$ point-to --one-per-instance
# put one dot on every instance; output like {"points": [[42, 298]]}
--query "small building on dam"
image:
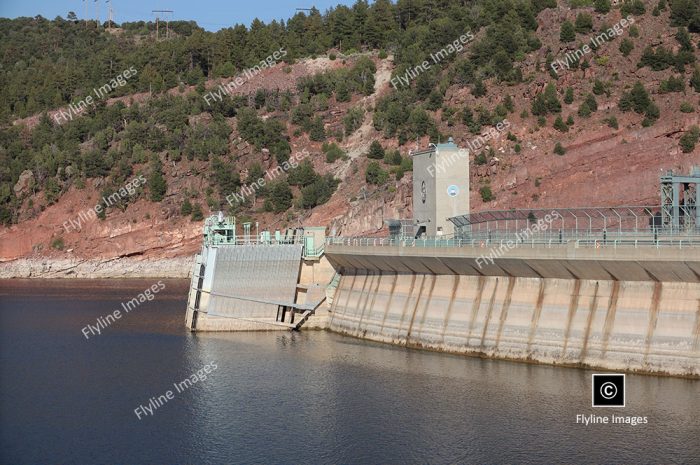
{"points": [[440, 188], [615, 288]]}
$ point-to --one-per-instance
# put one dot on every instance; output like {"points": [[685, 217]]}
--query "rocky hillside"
{"points": [[599, 131]]}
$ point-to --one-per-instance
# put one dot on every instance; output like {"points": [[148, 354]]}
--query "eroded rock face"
{"points": [[25, 183], [177, 267]]}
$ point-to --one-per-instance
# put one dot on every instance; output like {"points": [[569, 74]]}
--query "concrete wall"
{"points": [[633, 325], [316, 272], [451, 186]]}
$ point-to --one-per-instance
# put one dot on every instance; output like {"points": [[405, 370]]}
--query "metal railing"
{"points": [[218, 239], [548, 239], [623, 218], [315, 253], [308, 252]]}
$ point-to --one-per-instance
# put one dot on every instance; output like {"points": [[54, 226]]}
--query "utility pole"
{"points": [[167, 14], [85, 7], [109, 22], [97, 13]]}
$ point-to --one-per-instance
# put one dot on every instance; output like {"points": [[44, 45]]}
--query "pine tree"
{"points": [[567, 32], [591, 102], [317, 132], [186, 208], [602, 6], [689, 139], [342, 91], [375, 174], [569, 96], [598, 87], [539, 106], [478, 89], [695, 80], [508, 104], [303, 175], [652, 114], [197, 214], [376, 151], [559, 125], [551, 99], [640, 97], [584, 111], [626, 46], [612, 122], [156, 180], [559, 149], [584, 23], [279, 197]]}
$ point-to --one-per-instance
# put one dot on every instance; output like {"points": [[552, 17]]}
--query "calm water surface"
{"points": [[310, 397]]}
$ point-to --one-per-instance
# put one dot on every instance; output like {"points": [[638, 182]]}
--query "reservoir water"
{"points": [[279, 397]]}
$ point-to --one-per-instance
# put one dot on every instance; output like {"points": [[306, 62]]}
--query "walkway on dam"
{"points": [[671, 259]]}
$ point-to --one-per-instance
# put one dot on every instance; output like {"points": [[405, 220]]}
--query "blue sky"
{"points": [[209, 14]]}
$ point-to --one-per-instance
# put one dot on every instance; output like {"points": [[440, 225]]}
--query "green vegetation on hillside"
{"points": [[481, 46]]}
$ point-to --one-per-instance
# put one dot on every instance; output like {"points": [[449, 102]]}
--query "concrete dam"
{"points": [[609, 288], [577, 307]]}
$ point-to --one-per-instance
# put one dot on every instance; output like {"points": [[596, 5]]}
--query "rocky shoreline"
{"points": [[45, 268]]}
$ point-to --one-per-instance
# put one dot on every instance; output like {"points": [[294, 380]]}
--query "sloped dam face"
{"points": [[595, 311]]}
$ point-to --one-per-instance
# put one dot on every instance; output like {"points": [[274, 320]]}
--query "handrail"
{"points": [[253, 240], [550, 239]]}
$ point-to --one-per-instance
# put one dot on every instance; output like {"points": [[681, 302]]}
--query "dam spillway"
{"points": [[617, 309]]}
